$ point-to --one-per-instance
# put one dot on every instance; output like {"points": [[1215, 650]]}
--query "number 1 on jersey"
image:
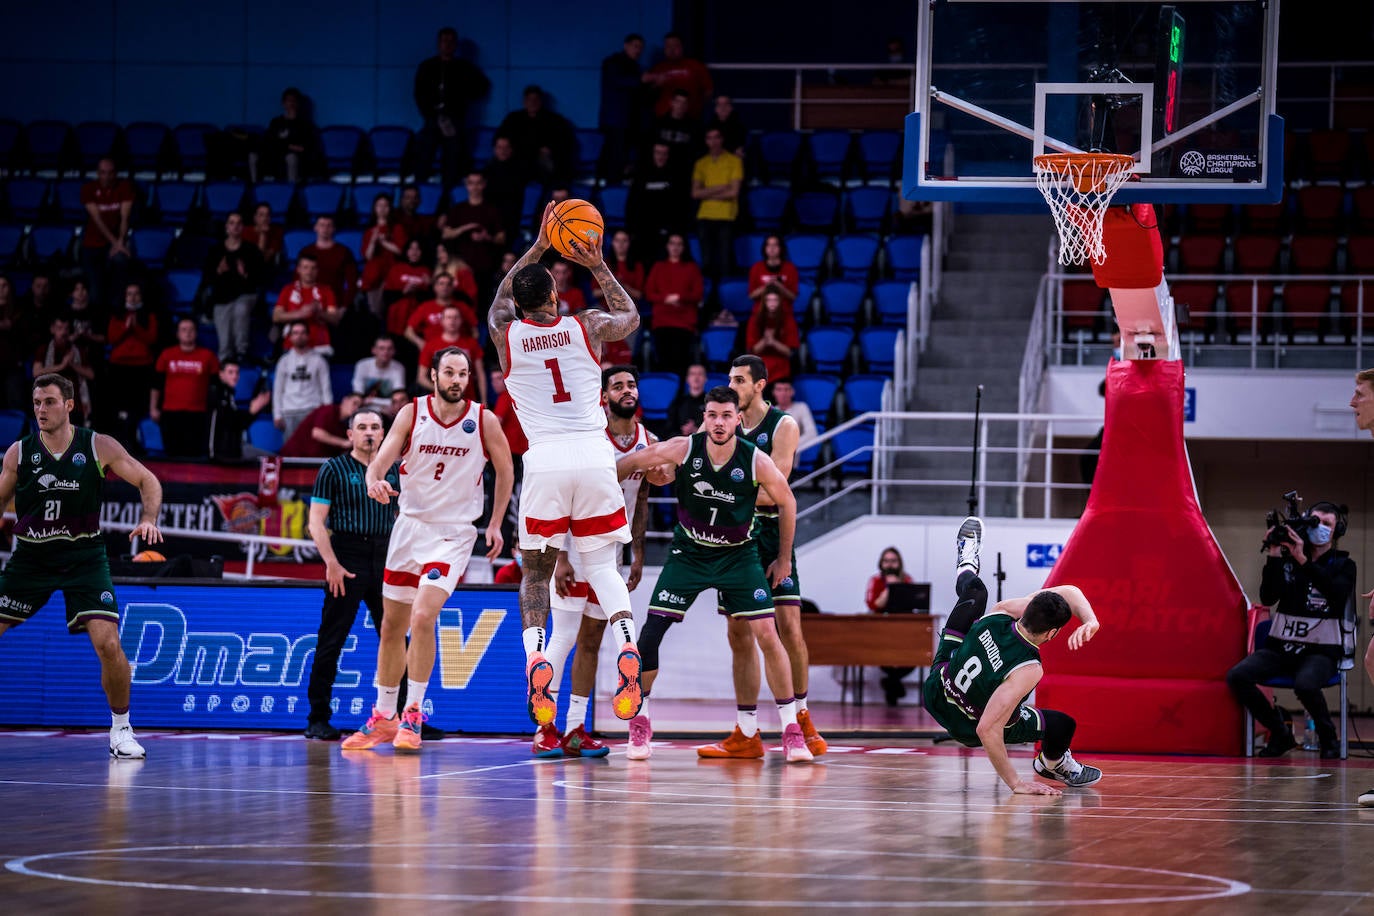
{"points": [[560, 394]]}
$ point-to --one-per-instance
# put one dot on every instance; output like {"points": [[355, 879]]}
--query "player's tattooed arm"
{"points": [[503, 310], [621, 317]]}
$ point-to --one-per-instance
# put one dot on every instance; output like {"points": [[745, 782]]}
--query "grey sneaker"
{"points": [[1068, 771], [969, 542]]}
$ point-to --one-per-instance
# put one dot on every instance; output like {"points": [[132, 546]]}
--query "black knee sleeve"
{"points": [[973, 601], [1059, 729], [649, 639]]}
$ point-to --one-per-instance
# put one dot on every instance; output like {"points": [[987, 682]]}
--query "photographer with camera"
{"points": [[1310, 581]]}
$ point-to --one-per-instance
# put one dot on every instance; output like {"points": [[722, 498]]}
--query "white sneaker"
{"points": [[794, 745], [123, 744], [967, 545], [641, 734], [1068, 771], [1367, 799]]}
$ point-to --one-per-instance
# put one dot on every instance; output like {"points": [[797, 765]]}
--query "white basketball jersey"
{"points": [[630, 485], [554, 380], [441, 467]]}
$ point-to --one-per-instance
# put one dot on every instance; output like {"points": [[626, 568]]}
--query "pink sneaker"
{"points": [[794, 745], [641, 732]]}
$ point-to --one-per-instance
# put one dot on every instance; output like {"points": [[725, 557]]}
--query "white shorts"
{"points": [[423, 553], [570, 485]]}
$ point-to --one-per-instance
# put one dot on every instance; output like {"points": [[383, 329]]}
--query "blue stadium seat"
{"points": [[95, 140], [863, 393], [222, 197], [816, 210], [807, 252], [656, 392], [182, 286], [748, 249], [613, 201], [904, 256], [867, 208], [457, 195], [190, 145], [147, 144], [50, 244], [27, 197], [10, 237], [431, 198], [878, 152], [855, 447], [891, 299], [152, 244], [481, 146], [854, 256], [718, 347], [841, 301], [801, 306], [276, 194], [262, 434], [207, 336], [364, 193], [734, 298], [830, 152], [876, 344], [247, 386], [150, 434], [828, 347], [341, 378], [717, 380], [67, 195], [818, 393], [175, 200], [340, 143], [766, 207], [694, 248], [352, 239], [534, 196], [12, 423], [805, 462], [778, 151], [389, 146], [321, 199], [49, 144], [588, 151], [293, 241]]}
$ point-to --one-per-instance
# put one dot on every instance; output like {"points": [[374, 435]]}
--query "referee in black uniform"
{"points": [[351, 532]]}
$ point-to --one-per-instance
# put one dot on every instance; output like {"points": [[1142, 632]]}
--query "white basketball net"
{"points": [[1079, 187]]}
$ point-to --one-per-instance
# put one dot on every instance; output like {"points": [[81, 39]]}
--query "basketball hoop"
{"points": [[1079, 187]]}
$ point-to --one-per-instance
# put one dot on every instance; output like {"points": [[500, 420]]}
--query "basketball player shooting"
{"points": [[552, 369]]}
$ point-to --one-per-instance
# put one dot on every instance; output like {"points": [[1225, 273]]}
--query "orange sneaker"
{"points": [[814, 742], [628, 696], [539, 675], [377, 730], [408, 734], [548, 742], [736, 746]]}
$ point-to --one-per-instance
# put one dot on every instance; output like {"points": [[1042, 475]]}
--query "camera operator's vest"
{"points": [[1312, 626]]}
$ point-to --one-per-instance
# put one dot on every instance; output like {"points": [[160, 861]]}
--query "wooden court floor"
{"points": [[229, 823]]}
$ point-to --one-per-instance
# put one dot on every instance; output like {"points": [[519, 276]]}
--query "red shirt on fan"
{"points": [[682, 278], [338, 269], [405, 277], [296, 295], [188, 378], [786, 274], [571, 301], [107, 203], [425, 319], [510, 424], [509, 574]]}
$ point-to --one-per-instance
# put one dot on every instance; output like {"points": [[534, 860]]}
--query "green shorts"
{"points": [[788, 591], [80, 572], [734, 572], [1026, 726]]}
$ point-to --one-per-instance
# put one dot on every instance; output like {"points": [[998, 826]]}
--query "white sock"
{"points": [[748, 720], [534, 640], [560, 643], [787, 712], [386, 700], [801, 702], [644, 706], [119, 720], [625, 629], [415, 693], [577, 712]]}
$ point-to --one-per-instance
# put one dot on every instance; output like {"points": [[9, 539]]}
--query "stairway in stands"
{"points": [[977, 336]]}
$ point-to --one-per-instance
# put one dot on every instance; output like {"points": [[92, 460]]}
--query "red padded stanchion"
{"points": [[1134, 249], [1173, 614]]}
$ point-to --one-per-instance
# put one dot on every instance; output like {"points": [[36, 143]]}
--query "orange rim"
{"points": [[1088, 171]]}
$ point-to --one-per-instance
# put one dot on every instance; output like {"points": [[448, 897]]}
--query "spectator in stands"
{"points": [[324, 431], [88, 321], [688, 405], [182, 406], [445, 85], [658, 203], [105, 251], [383, 243], [36, 312], [449, 263], [505, 184], [630, 272], [681, 133], [504, 408], [413, 223], [476, 231], [424, 322], [132, 335], [774, 273], [509, 573], [544, 142], [233, 273], [570, 298], [228, 421], [772, 335], [725, 119], [378, 375], [15, 393], [288, 144], [305, 300], [399, 399], [896, 55], [410, 276], [622, 94], [784, 399], [454, 332], [890, 570], [674, 290], [301, 382], [676, 72], [338, 269], [265, 234], [716, 181], [63, 355]]}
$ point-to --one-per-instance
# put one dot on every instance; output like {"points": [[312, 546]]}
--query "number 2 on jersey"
{"points": [[560, 394]]}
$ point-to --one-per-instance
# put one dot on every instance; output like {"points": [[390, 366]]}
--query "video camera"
{"points": [[1292, 517]]}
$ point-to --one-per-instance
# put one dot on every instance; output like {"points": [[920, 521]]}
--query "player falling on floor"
{"points": [[578, 617], [775, 434], [443, 442], [719, 476], [551, 365], [54, 476], [987, 665]]}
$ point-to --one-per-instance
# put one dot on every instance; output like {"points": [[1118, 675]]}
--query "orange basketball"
{"points": [[149, 556], [575, 219]]}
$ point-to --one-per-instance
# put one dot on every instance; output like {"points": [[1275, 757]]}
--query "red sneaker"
{"points": [[577, 743], [548, 742]]}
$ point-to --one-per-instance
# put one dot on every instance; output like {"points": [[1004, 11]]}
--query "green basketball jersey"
{"points": [[57, 500], [762, 435], [715, 506], [993, 648]]}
